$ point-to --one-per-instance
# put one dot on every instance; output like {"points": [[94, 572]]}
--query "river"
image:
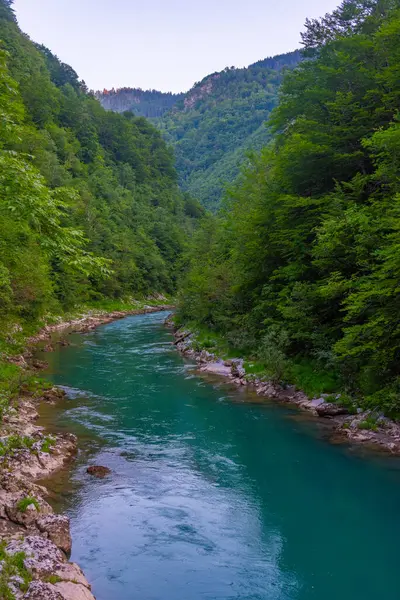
{"points": [[213, 494]]}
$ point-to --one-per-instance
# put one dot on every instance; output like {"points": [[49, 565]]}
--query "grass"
{"points": [[14, 443], [12, 565], [311, 378], [370, 423], [23, 504], [54, 579], [47, 443], [306, 375]]}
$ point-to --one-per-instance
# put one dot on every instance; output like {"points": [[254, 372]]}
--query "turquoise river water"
{"points": [[213, 494]]}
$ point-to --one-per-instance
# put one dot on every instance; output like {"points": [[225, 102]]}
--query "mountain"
{"points": [[300, 272], [216, 124], [150, 103], [90, 208]]}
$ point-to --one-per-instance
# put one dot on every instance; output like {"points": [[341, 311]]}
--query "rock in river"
{"points": [[98, 471]]}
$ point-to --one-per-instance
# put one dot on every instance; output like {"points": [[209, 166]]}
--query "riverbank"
{"points": [[348, 424], [35, 542]]}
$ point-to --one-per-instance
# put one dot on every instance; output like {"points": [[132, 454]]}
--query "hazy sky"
{"points": [[164, 44]]}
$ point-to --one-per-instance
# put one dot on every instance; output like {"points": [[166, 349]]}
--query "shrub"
{"points": [[27, 501]]}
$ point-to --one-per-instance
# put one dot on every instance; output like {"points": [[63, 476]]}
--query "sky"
{"points": [[164, 44]]}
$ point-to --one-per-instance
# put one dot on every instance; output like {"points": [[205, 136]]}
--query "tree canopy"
{"points": [[89, 202], [304, 258]]}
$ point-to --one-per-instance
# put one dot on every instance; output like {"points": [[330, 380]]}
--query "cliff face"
{"points": [[151, 103]]}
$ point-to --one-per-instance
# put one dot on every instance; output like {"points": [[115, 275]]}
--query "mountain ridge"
{"points": [[214, 125]]}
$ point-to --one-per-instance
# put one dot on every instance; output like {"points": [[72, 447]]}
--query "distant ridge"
{"points": [[143, 103], [214, 125]]}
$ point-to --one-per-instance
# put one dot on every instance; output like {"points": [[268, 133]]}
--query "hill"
{"points": [[215, 125], [89, 202], [300, 272]]}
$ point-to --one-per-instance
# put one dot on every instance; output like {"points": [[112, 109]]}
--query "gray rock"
{"points": [[58, 530], [329, 409], [42, 556], [317, 402], [31, 514], [38, 590]]}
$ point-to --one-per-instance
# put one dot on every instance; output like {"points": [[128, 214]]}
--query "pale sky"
{"points": [[164, 44]]}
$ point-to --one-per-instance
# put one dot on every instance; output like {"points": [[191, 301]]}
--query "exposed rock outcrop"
{"points": [[57, 528]]}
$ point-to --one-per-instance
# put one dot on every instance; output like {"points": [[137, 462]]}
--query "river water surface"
{"points": [[213, 494]]}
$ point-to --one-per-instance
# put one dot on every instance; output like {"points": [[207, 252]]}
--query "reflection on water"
{"points": [[213, 495]]}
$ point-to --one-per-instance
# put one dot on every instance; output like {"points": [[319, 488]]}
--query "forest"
{"points": [[89, 203], [215, 125], [143, 103], [300, 270]]}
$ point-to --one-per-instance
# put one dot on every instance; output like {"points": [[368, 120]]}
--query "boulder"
{"points": [[73, 573], [237, 369], [330, 409], [73, 591], [31, 513], [98, 471], [42, 557], [38, 590], [57, 529]]}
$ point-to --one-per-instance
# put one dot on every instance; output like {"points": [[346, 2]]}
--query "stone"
{"points": [[57, 529], [237, 369], [31, 513], [73, 573], [38, 590], [98, 471], [43, 557], [39, 364], [73, 591], [317, 402], [329, 409]]}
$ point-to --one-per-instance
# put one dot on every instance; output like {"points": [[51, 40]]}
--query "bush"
{"points": [[272, 352], [27, 501]]}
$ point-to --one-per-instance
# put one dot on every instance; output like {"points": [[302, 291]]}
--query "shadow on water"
{"points": [[214, 494]]}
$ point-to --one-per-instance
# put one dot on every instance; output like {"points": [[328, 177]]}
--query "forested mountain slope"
{"points": [[143, 103], [219, 121], [214, 125], [301, 271], [89, 202]]}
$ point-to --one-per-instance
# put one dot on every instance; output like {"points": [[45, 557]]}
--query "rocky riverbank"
{"points": [[35, 542], [358, 426]]}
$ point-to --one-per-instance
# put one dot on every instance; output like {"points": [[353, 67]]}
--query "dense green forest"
{"points": [[89, 202], [213, 127], [301, 269], [219, 122], [143, 103]]}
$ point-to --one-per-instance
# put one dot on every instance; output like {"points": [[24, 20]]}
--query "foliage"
{"points": [[214, 126], [13, 443], [370, 423], [308, 240], [89, 204], [220, 121], [12, 566], [23, 504]]}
